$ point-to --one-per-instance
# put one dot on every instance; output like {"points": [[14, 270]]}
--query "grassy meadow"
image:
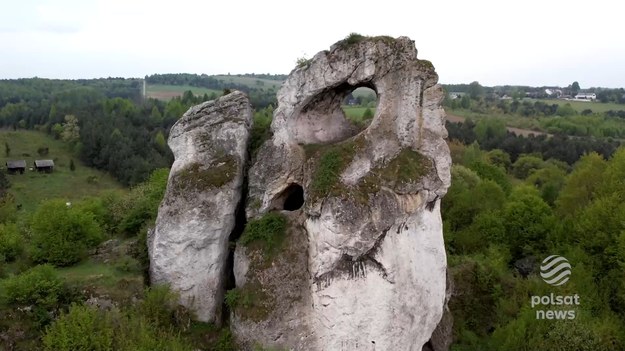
{"points": [[579, 106], [32, 187], [167, 92]]}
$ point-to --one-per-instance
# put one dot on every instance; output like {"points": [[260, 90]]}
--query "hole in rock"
{"points": [[292, 198], [335, 114]]}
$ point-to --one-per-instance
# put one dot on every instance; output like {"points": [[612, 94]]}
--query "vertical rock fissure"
{"points": [[237, 231]]}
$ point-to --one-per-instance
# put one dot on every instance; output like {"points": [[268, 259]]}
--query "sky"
{"points": [[537, 43]]}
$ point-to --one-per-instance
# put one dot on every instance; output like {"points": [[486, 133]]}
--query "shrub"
{"points": [[158, 305], [40, 286], [127, 265], [82, 328], [85, 328], [140, 206], [10, 242], [367, 114], [225, 342], [61, 234]]}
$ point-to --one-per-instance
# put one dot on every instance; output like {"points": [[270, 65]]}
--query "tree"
{"points": [[7, 149], [575, 88], [490, 130], [581, 186], [72, 166], [156, 114], [61, 234], [525, 165], [71, 130], [475, 90], [528, 220], [160, 141], [367, 114]]}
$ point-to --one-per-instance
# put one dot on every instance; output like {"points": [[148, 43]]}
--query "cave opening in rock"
{"points": [[335, 114], [292, 197]]}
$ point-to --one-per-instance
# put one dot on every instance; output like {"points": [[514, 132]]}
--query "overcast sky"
{"points": [[523, 42]]}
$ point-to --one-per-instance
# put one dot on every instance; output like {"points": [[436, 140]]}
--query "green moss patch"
{"points": [[250, 301], [332, 161], [355, 38], [266, 233], [198, 176]]}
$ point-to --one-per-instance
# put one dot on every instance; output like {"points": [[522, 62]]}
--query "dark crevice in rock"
{"points": [[430, 205], [237, 231]]}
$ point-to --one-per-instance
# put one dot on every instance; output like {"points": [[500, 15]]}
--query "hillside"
{"points": [[31, 187]]}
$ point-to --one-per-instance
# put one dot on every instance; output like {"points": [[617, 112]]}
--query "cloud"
{"points": [[59, 28]]}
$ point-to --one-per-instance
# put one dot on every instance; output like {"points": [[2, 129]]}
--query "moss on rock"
{"points": [[199, 177]]}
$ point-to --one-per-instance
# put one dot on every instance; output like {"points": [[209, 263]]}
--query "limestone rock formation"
{"points": [[362, 264], [189, 245]]}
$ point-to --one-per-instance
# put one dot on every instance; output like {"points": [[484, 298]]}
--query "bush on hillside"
{"points": [[10, 242], [39, 286], [62, 234]]}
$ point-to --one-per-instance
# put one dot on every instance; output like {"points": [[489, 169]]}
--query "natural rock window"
{"points": [[323, 119]]}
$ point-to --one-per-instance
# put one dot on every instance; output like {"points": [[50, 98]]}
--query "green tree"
{"points": [[156, 114], [581, 186], [566, 110], [528, 221], [160, 141], [575, 88], [489, 130], [10, 242], [367, 114], [475, 90], [525, 165], [57, 130], [499, 158], [62, 234], [53, 113]]}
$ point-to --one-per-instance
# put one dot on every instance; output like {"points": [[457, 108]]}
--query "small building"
{"points": [[586, 96], [44, 166], [17, 166]]}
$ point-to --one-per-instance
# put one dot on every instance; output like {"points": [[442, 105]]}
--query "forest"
{"points": [[72, 277]]}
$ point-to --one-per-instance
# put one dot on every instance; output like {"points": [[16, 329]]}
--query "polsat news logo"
{"points": [[555, 271]]}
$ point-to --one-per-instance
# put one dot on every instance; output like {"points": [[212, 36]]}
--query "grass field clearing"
{"points": [[32, 187]]}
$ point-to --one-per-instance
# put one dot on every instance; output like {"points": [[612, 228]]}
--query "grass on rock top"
{"points": [[406, 167], [199, 177]]}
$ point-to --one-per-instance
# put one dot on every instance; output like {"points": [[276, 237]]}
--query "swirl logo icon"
{"points": [[555, 270]]}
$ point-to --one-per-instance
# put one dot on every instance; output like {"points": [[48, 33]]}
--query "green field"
{"points": [[251, 82], [32, 187], [579, 106], [167, 92]]}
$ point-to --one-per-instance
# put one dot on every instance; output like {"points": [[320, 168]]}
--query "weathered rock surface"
{"points": [[189, 245], [370, 226]]}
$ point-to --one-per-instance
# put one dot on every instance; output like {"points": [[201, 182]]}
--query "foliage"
{"points": [[303, 62], [139, 207], [10, 242], [62, 234], [40, 286], [82, 328], [261, 129], [525, 165], [267, 231]]}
